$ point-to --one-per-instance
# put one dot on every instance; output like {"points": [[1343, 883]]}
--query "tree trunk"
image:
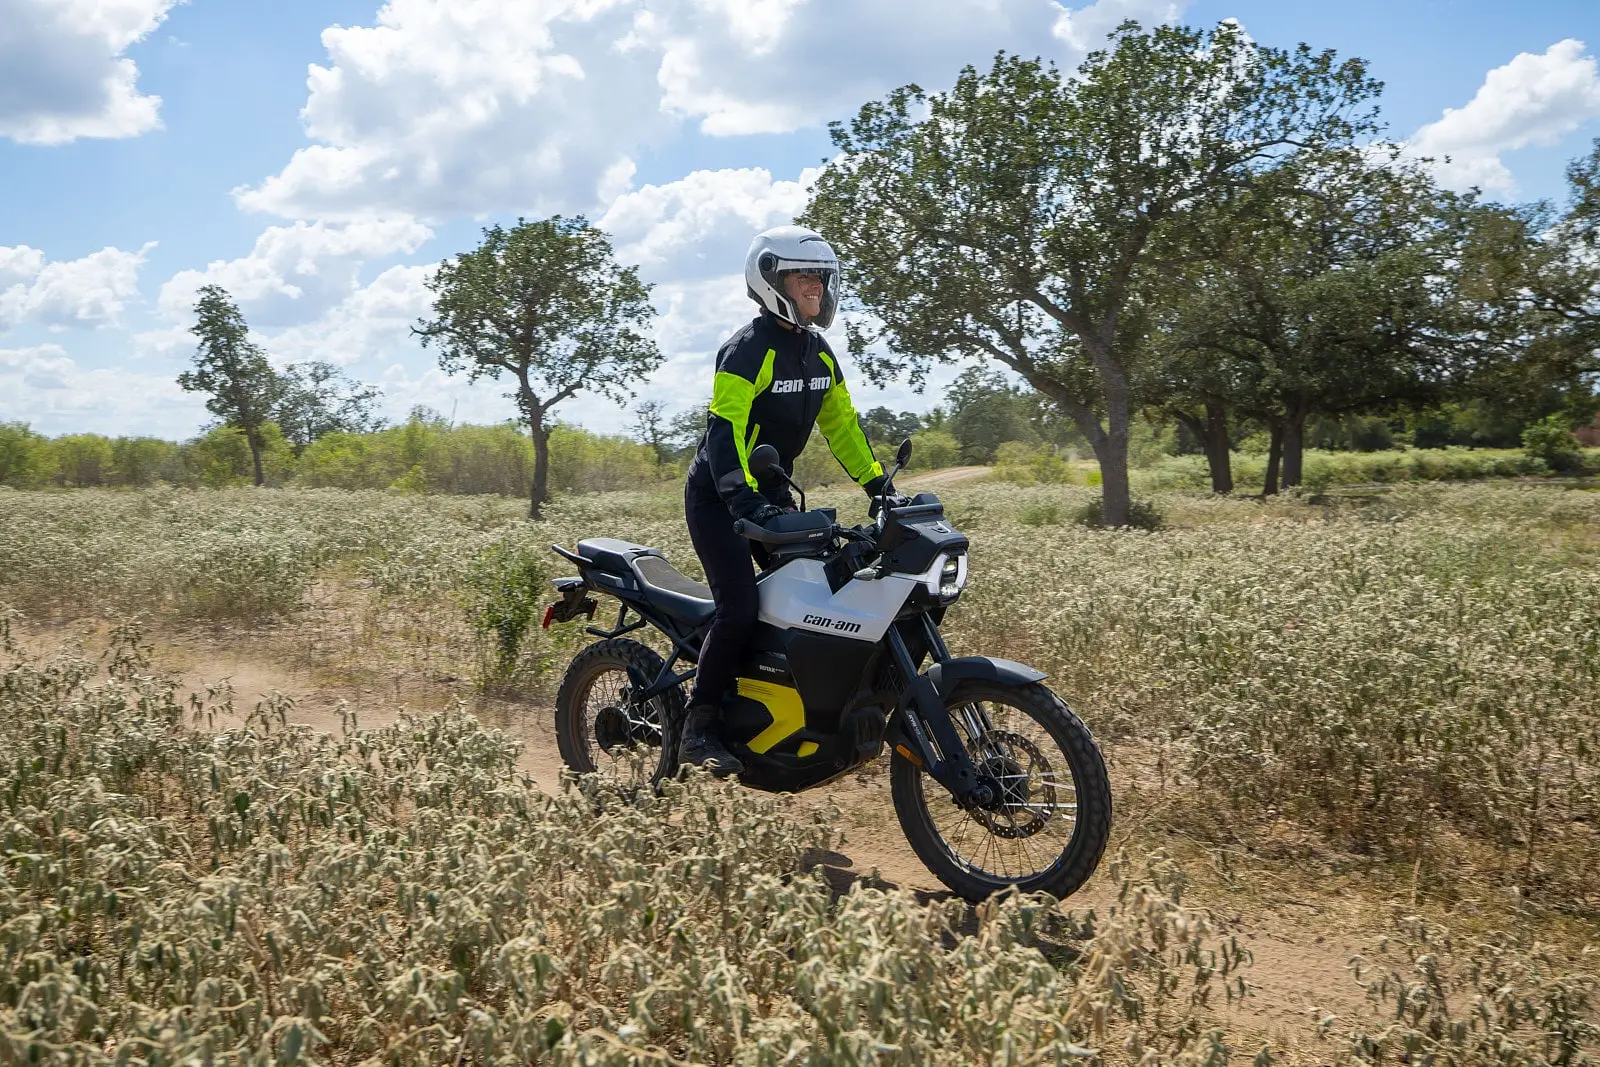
{"points": [[1212, 433], [1274, 459], [1294, 439], [1112, 451], [541, 467], [1219, 457], [253, 439]]}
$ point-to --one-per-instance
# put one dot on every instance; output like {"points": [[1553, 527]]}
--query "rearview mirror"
{"points": [[763, 459], [902, 457]]}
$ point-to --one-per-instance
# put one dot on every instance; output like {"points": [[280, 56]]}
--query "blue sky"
{"points": [[318, 158]]}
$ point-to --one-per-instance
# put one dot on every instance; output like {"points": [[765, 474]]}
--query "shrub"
{"points": [[507, 591], [1458, 1000], [1551, 441], [934, 449], [1142, 514], [405, 895]]}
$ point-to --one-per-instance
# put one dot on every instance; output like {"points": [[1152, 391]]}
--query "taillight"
{"points": [[549, 613]]}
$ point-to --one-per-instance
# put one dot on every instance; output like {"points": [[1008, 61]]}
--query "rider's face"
{"points": [[805, 289]]}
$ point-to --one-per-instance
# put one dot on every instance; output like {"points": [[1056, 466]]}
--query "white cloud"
{"points": [[1086, 29], [475, 106], [372, 323], [295, 273], [702, 223], [46, 388], [799, 64], [91, 291], [1532, 100], [63, 74], [466, 106]]}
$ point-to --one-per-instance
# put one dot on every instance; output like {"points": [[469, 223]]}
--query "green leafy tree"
{"points": [[886, 429], [83, 460], [547, 303], [652, 425], [25, 457], [1025, 218], [144, 461], [317, 399], [244, 388], [1327, 287], [986, 412]]}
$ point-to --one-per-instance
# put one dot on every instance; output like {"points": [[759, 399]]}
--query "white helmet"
{"points": [[783, 250]]}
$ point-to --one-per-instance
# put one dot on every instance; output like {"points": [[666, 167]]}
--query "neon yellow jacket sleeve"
{"points": [[840, 425]]}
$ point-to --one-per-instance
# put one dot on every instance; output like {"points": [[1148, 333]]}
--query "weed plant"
{"points": [[1410, 672], [271, 895]]}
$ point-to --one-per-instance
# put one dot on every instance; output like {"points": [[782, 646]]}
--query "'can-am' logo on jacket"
{"points": [[796, 385]]}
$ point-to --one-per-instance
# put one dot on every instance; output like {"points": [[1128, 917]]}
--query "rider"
{"points": [[776, 378]]}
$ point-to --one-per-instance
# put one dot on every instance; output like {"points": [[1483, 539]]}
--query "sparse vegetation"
{"points": [[1405, 676], [403, 895]]}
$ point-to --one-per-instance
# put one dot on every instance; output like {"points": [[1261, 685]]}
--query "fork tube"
{"points": [[951, 767], [935, 639]]}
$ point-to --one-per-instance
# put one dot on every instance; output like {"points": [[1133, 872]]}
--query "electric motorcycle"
{"points": [[996, 782]]}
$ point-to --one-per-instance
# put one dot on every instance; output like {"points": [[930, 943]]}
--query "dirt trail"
{"points": [[1300, 967], [941, 478]]}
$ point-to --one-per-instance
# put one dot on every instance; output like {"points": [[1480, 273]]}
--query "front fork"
{"points": [[929, 737]]}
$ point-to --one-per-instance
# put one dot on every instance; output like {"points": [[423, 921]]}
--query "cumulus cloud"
{"points": [[63, 74], [43, 386], [1085, 29], [466, 106], [296, 273], [91, 291], [702, 223], [782, 65], [1532, 100], [372, 323], [474, 106]]}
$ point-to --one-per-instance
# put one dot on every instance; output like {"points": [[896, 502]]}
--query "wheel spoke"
{"points": [[1038, 796]]}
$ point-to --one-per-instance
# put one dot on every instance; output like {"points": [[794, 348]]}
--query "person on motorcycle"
{"points": [[775, 379]]}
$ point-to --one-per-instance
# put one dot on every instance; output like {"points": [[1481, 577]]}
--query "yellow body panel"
{"points": [[807, 748], [782, 703]]}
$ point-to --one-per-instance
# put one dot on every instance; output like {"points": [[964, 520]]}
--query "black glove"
{"points": [[763, 514], [895, 500]]}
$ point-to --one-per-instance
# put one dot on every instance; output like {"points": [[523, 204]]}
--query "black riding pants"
{"points": [[727, 558]]}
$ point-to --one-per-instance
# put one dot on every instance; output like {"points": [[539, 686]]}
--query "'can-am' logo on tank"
{"points": [[842, 625]]}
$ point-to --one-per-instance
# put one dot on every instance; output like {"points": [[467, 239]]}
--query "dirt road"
{"points": [[941, 478]]}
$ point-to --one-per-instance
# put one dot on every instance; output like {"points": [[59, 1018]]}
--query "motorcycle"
{"points": [[997, 784]]}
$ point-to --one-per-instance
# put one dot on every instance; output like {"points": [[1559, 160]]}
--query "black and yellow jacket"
{"points": [[772, 385]]}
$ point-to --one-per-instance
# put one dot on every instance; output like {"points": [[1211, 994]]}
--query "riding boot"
{"points": [[702, 745]]}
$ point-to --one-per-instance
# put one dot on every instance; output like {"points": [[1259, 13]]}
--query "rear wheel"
{"points": [[1051, 819], [601, 728]]}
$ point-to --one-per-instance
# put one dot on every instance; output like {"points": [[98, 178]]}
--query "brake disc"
{"points": [[1012, 762]]}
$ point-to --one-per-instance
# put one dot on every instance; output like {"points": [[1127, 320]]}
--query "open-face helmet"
{"points": [[786, 250]]}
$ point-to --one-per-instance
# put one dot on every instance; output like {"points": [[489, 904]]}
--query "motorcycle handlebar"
{"points": [[746, 528]]}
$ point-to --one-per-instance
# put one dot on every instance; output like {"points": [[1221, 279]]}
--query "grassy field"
{"points": [[1387, 696]]}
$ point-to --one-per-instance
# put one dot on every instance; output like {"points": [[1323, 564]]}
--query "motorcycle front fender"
{"points": [[944, 676]]}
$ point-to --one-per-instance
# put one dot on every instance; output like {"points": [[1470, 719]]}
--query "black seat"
{"points": [[661, 585], [673, 592]]}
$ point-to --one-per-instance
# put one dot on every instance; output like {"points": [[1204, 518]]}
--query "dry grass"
{"points": [[1392, 691]]}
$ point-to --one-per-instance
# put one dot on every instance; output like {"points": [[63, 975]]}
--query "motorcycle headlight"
{"points": [[952, 577]]}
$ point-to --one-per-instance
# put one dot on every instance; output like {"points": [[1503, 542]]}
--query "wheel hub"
{"points": [[1010, 762], [611, 729]]}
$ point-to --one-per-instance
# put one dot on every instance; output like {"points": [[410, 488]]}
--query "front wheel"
{"points": [[1050, 822], [601, 728]]}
